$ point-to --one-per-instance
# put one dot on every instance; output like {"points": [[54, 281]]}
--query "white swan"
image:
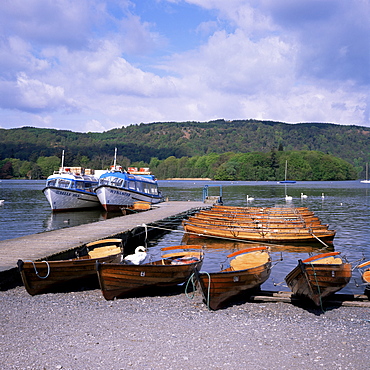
{"points": [[322, 195], [137, 258], [303, 195], [249, 199], [2, 202], [288, 197]]}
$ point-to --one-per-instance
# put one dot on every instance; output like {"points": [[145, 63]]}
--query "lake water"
{"points": [[345, 207]]}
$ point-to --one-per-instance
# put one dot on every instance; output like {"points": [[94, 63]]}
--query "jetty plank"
{"points": [[339, 299]]}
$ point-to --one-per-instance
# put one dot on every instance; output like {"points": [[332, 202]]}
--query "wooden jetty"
{"points": [[337, 299], [42, 245]]}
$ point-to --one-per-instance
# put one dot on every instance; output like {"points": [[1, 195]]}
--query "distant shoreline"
{"points": [[190, 178]]}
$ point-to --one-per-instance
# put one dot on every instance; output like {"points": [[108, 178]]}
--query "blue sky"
{"points": [[94, 65]]}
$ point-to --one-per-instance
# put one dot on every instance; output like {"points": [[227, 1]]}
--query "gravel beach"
{"points": [[81, 330]]}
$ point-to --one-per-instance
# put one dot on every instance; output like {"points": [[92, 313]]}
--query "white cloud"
{"points": [[94, 126], [35, 95], [94, 65]]}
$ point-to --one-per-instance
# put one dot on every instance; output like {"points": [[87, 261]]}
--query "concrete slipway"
{"points": [[42, 245]]}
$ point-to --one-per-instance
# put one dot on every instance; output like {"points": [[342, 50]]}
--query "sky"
{"points": [[95, 65]]}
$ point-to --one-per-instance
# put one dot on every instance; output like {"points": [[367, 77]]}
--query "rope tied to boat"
{"points": [[37, 273], [318, 287], [208, 289], [213, 236], [145, 226], [326, 246], [191, 281]]}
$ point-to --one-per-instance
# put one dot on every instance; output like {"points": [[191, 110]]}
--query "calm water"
{"points": [[345, 207]]}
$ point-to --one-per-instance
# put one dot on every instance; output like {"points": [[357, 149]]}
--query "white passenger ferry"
{"points": [[120, 189], [71, 188]]}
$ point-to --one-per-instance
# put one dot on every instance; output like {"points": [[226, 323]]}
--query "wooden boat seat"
{"points": [[249, 260], [182, 254], [104, 241], [328, 261], [104, 251], [366, 276]]}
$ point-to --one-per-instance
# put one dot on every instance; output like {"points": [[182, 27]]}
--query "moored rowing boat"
{"points": [[122, 280], [319, 276], [69, 274], [248, 270], [256, 224], [277, 211], [257, 216], [262, 235], [365, 276]]}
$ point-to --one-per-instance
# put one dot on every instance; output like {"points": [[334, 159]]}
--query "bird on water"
{"points": [[137, 258]]}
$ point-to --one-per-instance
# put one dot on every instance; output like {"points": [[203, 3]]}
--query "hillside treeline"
{"points": [[163, 140], [256, 166]]}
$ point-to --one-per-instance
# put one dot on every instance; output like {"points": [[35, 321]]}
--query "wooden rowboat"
{"points": [[69, 274], [319, 276], [258, 211], [288, 221], [118, 280], [257, 217], [262, 235], [261, 209], [234, 245], [283, 208], [248, 270], [365, 275], [256, 224], [259, 214]]}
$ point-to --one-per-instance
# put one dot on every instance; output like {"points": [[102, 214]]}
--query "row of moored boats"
{"points": [[271, 224], [104, 263]]}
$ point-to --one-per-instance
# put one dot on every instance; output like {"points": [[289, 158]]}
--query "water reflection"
{"points": [[232, 245], [26, 211], [62, 220]]}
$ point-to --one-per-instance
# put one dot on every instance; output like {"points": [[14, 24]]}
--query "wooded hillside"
{"points": [[143, 142]]}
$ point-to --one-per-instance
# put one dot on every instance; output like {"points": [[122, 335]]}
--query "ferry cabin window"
{"points": [[51, 182], [79, 185], [64, 183], [103, 181], [153, 189], [131, 185], [140, 186], [116, 181], [150, 189], [88, 186]]}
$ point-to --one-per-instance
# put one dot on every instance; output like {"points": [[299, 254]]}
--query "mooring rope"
{"points": [[209, 288], [190, 280], [326, 246], [318, 287], [37, 273], [217, 237], [146, 234]]}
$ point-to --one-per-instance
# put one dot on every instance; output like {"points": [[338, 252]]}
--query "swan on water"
{"points": [[137, 258], [249, 199], [303, 195], [322, 195], [288, 197], [2, 202]]}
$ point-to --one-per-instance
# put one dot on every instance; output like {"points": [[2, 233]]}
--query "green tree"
{"points": [[47, 165]]}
